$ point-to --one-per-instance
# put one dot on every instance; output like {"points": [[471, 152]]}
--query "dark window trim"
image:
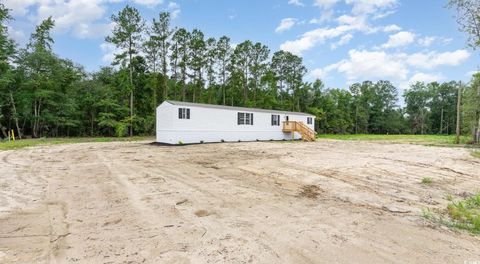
{"points": [[275, 120], [183, 113], [243, 117]]}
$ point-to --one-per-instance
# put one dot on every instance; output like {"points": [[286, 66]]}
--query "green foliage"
{"points": [[471, 108], [19, 144], [468, 19], [42, 94], [427, 180], [121, 128], [465, 214], [40, 38], [430, 140]]}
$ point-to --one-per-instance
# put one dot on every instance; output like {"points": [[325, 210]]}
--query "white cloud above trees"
{"points": [[286, 24], [365, 64], [81, 18], [296, 3], [402, 38]]}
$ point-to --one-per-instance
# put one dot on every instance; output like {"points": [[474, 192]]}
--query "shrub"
{"points": [[427, 180]]}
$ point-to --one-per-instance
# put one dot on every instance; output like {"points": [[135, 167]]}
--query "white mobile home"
{"points": [[185, 123]]}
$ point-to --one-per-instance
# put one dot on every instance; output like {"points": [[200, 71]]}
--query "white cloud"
{"points": [[471, 73], [318, 36], [312, 38], [78, 16], [17, 35], [425, 78], [326, 16], [149, 3], [363, 64], [383, 15], [286, 24], [399, 39], [370, 6], [326, 4], [318, 73], [343, 40], [426, 41], [296, 3], [82, 18], [371, 65], [349, 20], [322, 73], [174, 9], [391, 28], [19, 7], [433, 59], [447, 41], [109, 50]]}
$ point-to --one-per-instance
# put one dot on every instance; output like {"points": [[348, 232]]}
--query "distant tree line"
{"points": [[42, 94]]}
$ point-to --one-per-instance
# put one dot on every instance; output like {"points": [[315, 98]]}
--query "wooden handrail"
{"points": [[296, 126]]}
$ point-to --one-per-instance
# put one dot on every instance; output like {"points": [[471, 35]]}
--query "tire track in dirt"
{"points": [[235, 203]]}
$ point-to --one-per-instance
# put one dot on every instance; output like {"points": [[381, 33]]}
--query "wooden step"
{"points": [[295, 126]]}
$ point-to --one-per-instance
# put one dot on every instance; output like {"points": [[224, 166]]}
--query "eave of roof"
{"points": [[235, 108]]}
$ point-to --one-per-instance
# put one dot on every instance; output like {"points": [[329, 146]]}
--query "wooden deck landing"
{"points": [[296, 126]]}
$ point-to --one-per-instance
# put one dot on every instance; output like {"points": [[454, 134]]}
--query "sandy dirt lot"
{"points": [[268, 202]]}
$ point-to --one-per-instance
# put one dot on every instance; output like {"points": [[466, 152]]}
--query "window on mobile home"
{"points": [[309, 120], [184, 113], [275, 120], [245, 118]]}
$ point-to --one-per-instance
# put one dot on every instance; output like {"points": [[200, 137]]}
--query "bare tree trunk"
{"points": [[356, 119], [477, 135], [15, 116], [175, 80], [36, 117], [34, 128], [131, 102], [130, 52], [154, 92], [245, 88], [91, 123], [441, 122], [5, 135], [223, 85], [459, 99], [165, 82]]}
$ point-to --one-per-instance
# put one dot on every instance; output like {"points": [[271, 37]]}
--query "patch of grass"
{"points": [[310, 191], [449, 197], [18, 144], [427, 180], [476, 154], [463, 214], [430, 140]]}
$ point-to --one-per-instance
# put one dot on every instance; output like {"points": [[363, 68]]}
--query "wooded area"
{"points": [[42, 94]]}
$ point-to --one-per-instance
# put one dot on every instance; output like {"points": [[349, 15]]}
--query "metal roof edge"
{"points": [[226, 107]]}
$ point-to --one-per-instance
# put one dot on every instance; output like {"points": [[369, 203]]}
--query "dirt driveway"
{"points": [[323, 202]]}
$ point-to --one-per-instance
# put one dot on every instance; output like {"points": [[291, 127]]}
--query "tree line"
{"points": [[42, 94]]}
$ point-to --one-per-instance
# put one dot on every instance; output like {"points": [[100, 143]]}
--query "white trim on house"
{"points": [[214, 123]]}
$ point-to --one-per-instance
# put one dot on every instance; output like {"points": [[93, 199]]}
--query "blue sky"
{"points": [[341, 41]]}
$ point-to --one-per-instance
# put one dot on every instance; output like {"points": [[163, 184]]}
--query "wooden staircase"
{"points": [[296, 126]]}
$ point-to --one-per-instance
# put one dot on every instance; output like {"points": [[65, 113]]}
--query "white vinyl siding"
{"points": [[218, 124]]}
